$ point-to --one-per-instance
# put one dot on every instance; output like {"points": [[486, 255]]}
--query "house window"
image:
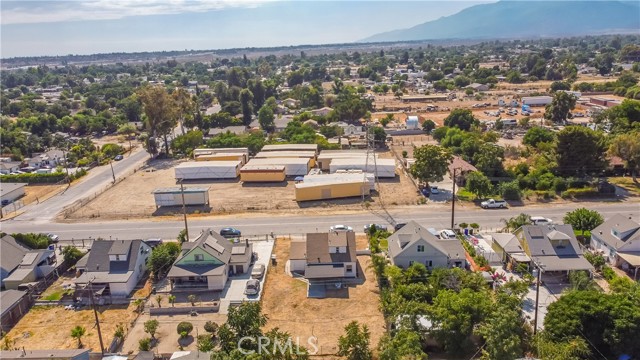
{"points": [[420, 248], [117, 257], [349, 268], [199, 257], [410, 263], [429, 263]]}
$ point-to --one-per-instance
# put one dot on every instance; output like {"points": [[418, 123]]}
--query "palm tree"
{"points": [[516, 222], [77, 333]]}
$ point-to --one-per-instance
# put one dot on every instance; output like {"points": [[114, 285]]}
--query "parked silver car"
{"points": [[258, 271], [252, 287]]}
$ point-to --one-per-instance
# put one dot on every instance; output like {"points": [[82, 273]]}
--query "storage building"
{"points": [[223, 157], [323, 191], [208, 151], [536, 100], [412, 122], [208, 170], [293, 166], [311, 155], [10, 192], [291, 147], [383, 168], [342, 176], [172, 196], [325, 157], [262, 173]]}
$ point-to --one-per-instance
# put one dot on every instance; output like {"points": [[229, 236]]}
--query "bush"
{"points": [[144, 344], [71, 254], [211, 327], [608, 273], [32, 241], [559, 185], [510, 190], [579, 193], [33, 178], [184, 327]]}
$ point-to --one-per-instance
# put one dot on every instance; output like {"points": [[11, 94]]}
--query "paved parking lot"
{"points": [[234, 290]]}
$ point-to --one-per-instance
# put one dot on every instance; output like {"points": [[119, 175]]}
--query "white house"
{"points": [[618, 239], [325, 255]]}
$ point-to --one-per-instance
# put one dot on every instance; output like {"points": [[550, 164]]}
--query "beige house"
{"points": [[207, 262], [324, 256]]}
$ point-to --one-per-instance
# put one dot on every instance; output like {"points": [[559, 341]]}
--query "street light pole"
{"points": [[184, 210]]}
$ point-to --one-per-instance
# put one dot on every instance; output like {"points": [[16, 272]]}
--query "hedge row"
{"points": [[33, 178]]}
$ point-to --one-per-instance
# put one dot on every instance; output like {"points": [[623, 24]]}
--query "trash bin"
{"points": [[466, 232]]}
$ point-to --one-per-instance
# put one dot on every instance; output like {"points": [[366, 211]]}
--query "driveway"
{"points": [[445, 188], [233, 292]]}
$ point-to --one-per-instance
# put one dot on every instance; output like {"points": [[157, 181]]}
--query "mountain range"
{"points": [[525, 19]]}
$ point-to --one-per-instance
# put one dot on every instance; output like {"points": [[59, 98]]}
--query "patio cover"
{"points": [[633, 258]]}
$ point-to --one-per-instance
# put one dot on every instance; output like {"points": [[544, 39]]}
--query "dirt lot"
{"points": [[133, 197], [49, 327], [288, 308], [34, 193]]}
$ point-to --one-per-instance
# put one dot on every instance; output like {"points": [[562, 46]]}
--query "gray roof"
{"points": [[8, 299], [298, 249], [11, 255], [318, 248], [9, 187], [44, 354], [539, 237], [621, 224], [97, 260], [8, 165], [240, 129], [190, 355], [413, 232], [120, 247]]}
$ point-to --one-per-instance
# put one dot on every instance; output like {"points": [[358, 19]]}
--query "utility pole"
{"points": [[453, 200], [535, 316], [112, 172], [184, 210], [95, 313]]}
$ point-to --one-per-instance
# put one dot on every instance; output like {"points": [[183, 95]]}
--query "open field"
{"points": [[36, 193], [133, 198], [49, 327], [286, 304]]}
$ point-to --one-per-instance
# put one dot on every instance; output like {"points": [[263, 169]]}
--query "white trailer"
{"points": [[292, 166], [172, 196], [291, 147], [343, 176], [536, 100], [209, 151], [208, 170], [383, 168]]}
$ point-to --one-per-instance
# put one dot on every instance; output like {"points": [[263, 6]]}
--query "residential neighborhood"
{"points": [[386, 192]]}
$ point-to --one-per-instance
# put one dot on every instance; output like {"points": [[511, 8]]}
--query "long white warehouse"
{"points": [[292, 166], [208, 170], [291, 147], [173, 196], [341, 177], [383, 168]]}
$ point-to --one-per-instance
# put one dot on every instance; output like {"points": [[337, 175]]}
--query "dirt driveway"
{"points": [[286, 304]]}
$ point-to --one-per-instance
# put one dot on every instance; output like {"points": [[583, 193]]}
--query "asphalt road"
{"points": [[97, 179], [437, 216]]}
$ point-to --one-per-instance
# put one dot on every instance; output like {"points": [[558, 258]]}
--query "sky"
{"points": [[62, 27]]}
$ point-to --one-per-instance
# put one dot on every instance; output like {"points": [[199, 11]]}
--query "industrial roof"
{"points": [[287, 153], [197, 164], [276, 147], [177, 190], [362, 161], [279, 161], [262, 168]]}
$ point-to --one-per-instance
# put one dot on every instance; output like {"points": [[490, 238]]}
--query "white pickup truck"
{"points": [[493, 204]]}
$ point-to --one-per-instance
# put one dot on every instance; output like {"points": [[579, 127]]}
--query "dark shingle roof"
{"points": [[318, 247], [97, 260]]}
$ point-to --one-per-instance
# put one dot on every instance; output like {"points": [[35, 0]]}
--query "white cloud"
{"points": [[30, 12]]}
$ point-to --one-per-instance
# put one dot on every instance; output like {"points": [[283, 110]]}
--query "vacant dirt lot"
{"points": [[49, 327], [35, 193], [133, 197], [286, 304]]}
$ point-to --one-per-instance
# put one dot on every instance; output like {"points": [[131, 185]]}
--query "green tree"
{"points": [[431, 163], [488, 159], [266, 118], [144, 344], [205, 343], [172, 300], [127, 130], [119, 332], [186, 143], [583, 219], [379, 135], [184, 327], [211, 327], [192, 299], [537, 135], [463, 119], [503, 333], [77, 333], [580, 151], [246, 101], [428, 126], [580, 280], [71, 254], [560, 107], [151, 326], [354, 344], [479, 184], [162, 257], [517, 222], [160, 110], [184, 104], [111, 150], [627, 147], [548, 348], [403, 345]]}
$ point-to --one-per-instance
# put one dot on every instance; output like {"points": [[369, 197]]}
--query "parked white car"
{"points": [[340, 228], [258, 271], [539, 220], [493, 204], [447, 234]]}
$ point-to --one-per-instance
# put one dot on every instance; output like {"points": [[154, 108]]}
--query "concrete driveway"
{"points": [[233, 292]]}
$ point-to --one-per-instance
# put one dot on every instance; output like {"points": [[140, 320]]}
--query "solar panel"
{"points": [[237, 250], [214, 244], [535, 232]]}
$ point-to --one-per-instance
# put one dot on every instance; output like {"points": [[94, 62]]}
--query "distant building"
{"points": [[478, 87]]}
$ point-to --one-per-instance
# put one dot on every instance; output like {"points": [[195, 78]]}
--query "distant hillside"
{"points": [[514, 19]]}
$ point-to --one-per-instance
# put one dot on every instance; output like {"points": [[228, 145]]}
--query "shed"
{"points": [[326, 156], [412, 122], [11, 191], [262, 173], [323, 191], [383, 168], [293, 166], [208, 170], [172, 196]]}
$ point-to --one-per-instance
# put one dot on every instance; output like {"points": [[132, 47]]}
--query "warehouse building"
{"points": [[223, 157], [10, 192], [323, 191], [326, 156], [293, 166], [311, 155], [291, 147], [172, 196], [343, 176], [383, 168], [263, 173], [208, 170]]}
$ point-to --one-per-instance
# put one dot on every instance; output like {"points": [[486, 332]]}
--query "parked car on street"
{"points": [[340, 228], [447, 234], [434, 190], [493, 204], [118, 157], [539, 220], [53, 237], [399, 226], [252, 287], [230, 232], [258, 271]]}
